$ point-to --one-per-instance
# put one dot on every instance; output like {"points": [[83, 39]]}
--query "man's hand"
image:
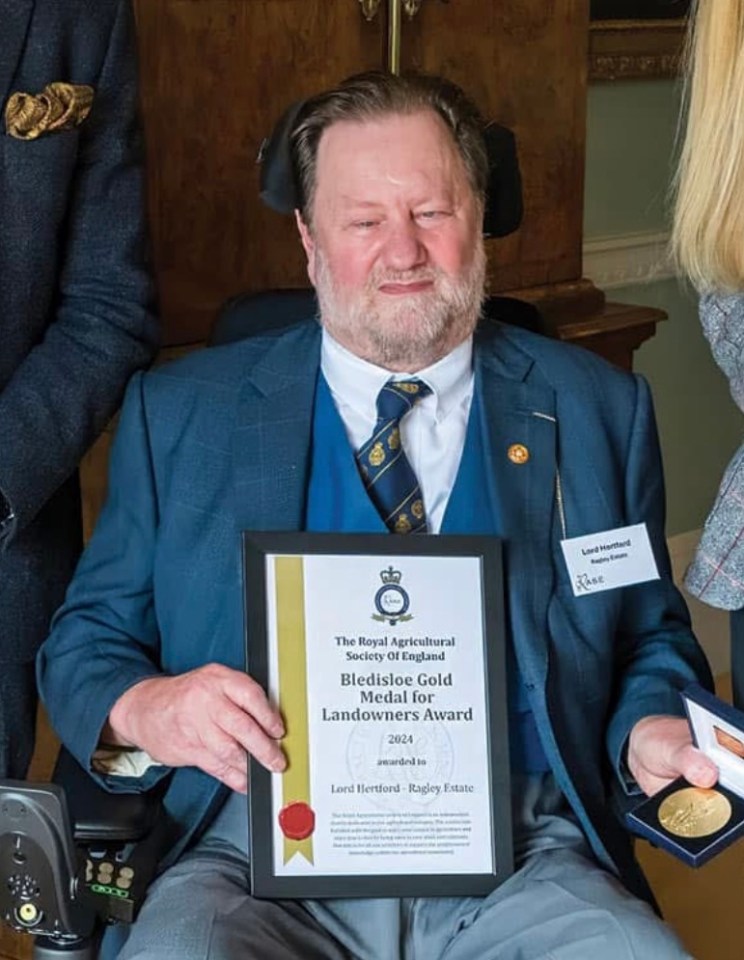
{"points": [[208, 718], [660, 750]]}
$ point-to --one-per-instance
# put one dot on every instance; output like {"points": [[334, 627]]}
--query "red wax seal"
{"points": [[297, 820]]}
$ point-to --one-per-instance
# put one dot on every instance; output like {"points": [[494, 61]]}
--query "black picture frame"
{"points": [[639, 9], [265, 881]]}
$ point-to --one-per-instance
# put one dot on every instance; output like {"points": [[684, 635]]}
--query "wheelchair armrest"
{"points": [[98, 815]]}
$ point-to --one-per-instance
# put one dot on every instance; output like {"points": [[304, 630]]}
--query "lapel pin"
{"points": [[518, 453]]}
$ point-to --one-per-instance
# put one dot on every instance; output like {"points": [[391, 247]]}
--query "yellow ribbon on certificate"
{"points": [[296, 816]]}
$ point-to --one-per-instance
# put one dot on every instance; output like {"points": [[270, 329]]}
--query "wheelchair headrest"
{"points": [[503, 213]]}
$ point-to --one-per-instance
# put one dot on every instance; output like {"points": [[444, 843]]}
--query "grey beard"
{"points": [[413, 333]]}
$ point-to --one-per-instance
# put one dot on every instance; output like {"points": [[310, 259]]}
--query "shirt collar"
{"points": [[357, 382]]}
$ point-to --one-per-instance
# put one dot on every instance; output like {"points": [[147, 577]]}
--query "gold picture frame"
{"points": [[635, 49]]}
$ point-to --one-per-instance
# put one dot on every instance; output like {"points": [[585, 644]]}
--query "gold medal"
{"points": [[694, 812]]}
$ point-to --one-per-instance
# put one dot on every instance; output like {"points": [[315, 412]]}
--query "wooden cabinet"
{"points": [[216, 74]]}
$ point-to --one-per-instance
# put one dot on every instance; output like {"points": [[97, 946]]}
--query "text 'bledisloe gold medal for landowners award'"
{"points": [[381, 661]]}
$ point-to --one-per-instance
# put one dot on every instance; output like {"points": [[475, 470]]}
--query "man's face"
{"points": [[395, 250]]}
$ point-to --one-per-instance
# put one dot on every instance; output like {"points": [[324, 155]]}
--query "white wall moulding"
{"points": [[618, 261]]}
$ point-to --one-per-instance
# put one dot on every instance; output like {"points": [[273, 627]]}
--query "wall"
{"points": [[630, 142], [631, 128]]}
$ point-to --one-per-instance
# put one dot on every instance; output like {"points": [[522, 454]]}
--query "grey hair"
{"points": [[375, 94]]}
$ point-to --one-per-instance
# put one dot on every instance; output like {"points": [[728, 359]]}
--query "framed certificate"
{"points": [[386, 657]]}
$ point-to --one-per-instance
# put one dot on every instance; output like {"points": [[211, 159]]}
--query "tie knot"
{"points": [[397, 397]]}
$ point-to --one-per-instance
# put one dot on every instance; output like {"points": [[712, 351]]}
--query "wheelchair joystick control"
{"points": [[38, 857], [63, 885]]}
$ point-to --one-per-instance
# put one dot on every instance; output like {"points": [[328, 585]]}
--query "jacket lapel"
{"points": [[271, 442], [14, 19], [519, 409]]}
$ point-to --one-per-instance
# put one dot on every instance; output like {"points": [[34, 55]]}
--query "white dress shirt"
{"points": [[432, 434]]}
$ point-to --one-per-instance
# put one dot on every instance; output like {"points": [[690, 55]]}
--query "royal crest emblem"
{"points": [[402, 523], [408, 386], [391, 600], [377, 455]]}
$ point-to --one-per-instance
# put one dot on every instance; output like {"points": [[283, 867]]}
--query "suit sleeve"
{"points": [[656, 653], [105, 637], [103, 329]]}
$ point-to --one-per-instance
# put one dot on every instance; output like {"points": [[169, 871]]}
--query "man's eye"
{"points": [[365, 224], [431, 214]]}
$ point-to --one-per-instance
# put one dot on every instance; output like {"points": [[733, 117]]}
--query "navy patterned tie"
{"points": [[386, 472]]}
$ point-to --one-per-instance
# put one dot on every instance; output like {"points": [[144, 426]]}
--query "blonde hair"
{"points": [[708, 231]]}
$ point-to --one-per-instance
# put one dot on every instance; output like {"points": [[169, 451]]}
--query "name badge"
{"points": [[613, 558]]}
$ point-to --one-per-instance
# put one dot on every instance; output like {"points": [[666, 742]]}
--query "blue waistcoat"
{"points": [[337, 502]]}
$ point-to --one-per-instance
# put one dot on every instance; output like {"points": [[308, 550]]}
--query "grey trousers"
{"points": [[558, 906]]}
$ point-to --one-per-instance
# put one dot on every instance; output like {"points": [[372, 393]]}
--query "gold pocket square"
{"points": [[59, 106]]}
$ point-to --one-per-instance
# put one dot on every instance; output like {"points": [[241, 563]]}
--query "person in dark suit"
{"points": [[75, 303], [513, 435]]}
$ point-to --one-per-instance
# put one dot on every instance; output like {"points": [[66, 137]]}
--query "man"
{"points": [[515, 435], [75, 300]]}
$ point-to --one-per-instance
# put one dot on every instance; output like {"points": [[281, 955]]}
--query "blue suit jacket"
{"points": [[220, 442]]}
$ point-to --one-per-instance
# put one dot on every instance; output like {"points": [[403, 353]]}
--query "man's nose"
{"points": [[403, 248]]}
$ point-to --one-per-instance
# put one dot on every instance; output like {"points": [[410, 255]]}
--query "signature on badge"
{"points": [[585, 583]]}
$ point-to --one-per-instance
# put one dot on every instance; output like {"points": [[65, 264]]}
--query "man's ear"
{"points": [[308, 244]]}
